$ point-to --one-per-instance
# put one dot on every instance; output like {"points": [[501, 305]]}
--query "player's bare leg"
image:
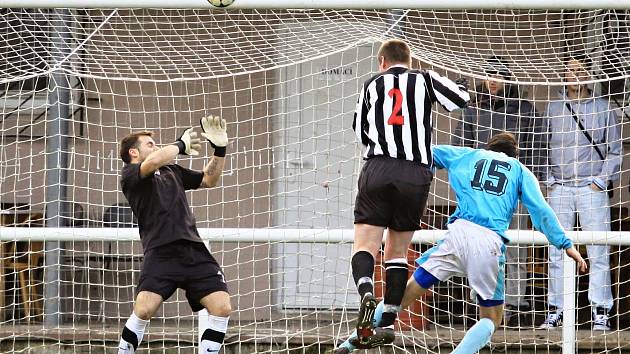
{"points": [[145, 306], [218, 306]]}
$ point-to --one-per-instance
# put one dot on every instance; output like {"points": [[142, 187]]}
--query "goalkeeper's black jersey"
{"points": [[393, 113], [160, 204]]}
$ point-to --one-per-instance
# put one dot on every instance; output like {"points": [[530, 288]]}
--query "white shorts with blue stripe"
{"points": [[473, 251]]}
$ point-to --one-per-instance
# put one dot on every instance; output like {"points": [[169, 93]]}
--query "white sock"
{"points": [[212, 338], [132, 335]]}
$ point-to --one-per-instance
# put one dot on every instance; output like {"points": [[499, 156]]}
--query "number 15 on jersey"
{"points": [[493, 180]]}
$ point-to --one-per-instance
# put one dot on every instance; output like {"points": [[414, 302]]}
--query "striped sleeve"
{"points": [[360, 117], [447, 93]]}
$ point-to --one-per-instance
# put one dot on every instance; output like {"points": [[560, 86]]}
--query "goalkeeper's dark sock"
{"points": [[212, 338], [363, 271], [132, 335], [396, 282]]}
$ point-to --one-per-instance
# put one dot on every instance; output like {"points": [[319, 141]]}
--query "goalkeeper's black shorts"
{"points": [[392, 193], [181, 264]]}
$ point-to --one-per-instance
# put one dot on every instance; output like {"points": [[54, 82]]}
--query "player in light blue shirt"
{"points": [[488, 185]]}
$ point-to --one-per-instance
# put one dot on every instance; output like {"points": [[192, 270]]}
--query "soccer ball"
{"points": [[221, 3]]}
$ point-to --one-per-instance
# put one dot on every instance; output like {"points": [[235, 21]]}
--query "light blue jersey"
{"points": [[488, 186]]}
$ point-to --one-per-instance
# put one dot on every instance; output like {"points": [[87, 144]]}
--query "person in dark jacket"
{"points": [[498, 108]]}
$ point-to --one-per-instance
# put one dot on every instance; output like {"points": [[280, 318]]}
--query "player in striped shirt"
{"points": [[393, 122]]}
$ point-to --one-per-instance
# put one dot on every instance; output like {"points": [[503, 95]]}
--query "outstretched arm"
{"points": [[187, 144], [212, 172], [544, 218], [215, 131], [451, 95]]}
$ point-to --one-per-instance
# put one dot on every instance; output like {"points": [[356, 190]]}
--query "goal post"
{"points": [[286, 76]]}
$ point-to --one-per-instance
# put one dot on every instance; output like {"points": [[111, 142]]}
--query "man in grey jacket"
{"points": [[577, 178], [499, 108]]}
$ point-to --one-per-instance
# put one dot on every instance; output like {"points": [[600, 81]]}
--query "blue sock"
{"points": [[476, 338], [378, 314]]}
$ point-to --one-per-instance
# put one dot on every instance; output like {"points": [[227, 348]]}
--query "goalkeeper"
{"points": [[488, 184], [174, 254]]}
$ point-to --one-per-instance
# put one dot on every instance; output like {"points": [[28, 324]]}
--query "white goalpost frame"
{"points": [[339, 236], [568, 325]]}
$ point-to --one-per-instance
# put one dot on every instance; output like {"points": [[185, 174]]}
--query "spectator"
{"points": [[499, 108], [584, 157]]}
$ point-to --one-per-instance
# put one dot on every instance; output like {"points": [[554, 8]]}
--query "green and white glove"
{"points": [[189, 143], [215, 130]]}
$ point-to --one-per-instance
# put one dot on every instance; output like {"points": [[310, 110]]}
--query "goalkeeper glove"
{"points": [[214, 129], [189, 143]]}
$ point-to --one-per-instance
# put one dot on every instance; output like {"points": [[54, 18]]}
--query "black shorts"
{"points": [[392, 193], [181, 264]]}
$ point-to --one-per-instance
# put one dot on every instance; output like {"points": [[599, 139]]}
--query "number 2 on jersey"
{"points": [[396, 118], [495, 179]]}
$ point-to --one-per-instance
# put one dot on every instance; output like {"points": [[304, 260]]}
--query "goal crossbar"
{"points": [[322, 4]]}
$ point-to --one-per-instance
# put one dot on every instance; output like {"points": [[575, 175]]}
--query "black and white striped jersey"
{"points": [[393, 114]]}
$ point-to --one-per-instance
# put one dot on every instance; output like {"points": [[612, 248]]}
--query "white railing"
{"points": [[523, 237]]}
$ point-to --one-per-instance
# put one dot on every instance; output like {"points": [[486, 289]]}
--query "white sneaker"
{"points": [[554, 320], [600, 323]]}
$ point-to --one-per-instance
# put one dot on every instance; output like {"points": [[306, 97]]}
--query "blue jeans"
{"points": [[594, 211]]}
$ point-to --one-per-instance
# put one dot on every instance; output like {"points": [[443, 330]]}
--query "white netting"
{"points": [[287, 83]]}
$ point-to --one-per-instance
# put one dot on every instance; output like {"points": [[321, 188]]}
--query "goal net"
{"points": [[74, 82]]}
